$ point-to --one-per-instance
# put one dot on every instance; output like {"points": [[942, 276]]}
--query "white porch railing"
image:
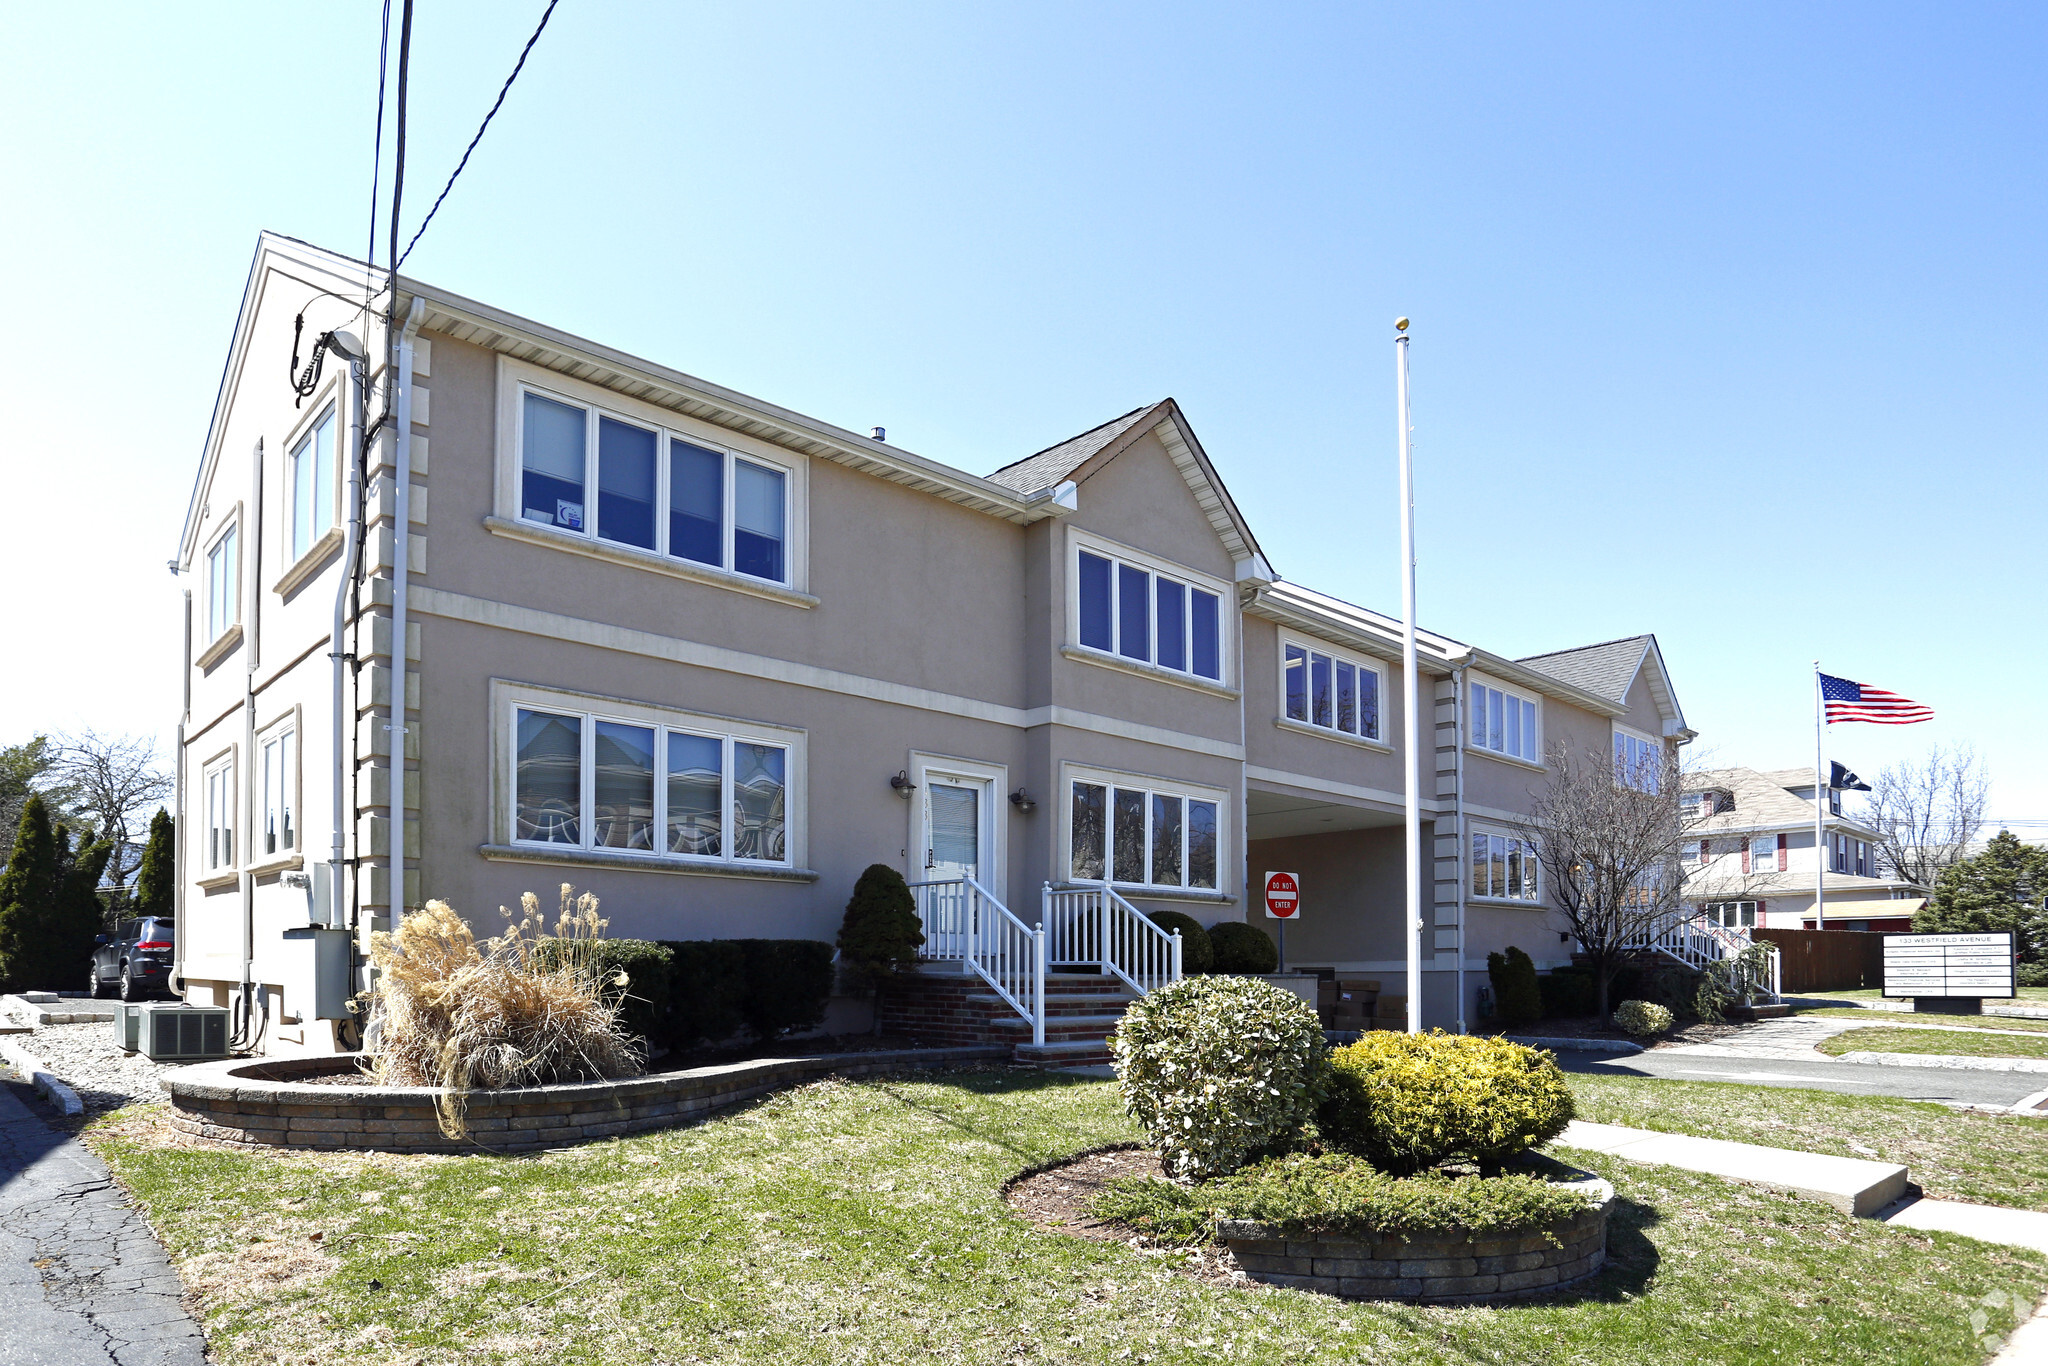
{"points": [[964, 923], [1093, 924], [1697, 942]]}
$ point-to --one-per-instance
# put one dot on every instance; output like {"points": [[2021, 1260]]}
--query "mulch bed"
{"points": [[1592, 1027], [1055, 1199]]}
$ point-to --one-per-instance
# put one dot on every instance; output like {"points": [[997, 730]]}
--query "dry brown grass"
{"points": [[523, 1009]]}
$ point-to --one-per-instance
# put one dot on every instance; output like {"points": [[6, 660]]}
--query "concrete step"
{"points": [[1850, 1184]]}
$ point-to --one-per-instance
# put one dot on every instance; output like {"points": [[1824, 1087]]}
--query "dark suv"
{"points": [[136, 961]]}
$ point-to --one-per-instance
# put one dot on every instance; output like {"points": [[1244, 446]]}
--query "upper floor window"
{"points": [[653, 489], [223, 583], [1331, 691], [1504, 723], [1765, 852], [1503, 867], [277, 794], [1716, 801], [220, 814], [1142, 835], [1638, 761], [310, 476], [1834, 801], [593, 781], [1132, 610]]}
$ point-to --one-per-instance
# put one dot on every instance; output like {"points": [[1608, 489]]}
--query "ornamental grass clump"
{"points": [[527, 1008], [1410, 1102], [1219, 1070]]}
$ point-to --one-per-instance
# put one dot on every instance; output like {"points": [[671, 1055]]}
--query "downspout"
{"points": [[337, 652], [401, 568], [252, 569], [179, 831], [1458, 822]]}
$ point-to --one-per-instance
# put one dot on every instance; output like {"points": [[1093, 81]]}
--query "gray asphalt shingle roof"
{"points": [[1606, 669], [1053, 464]]}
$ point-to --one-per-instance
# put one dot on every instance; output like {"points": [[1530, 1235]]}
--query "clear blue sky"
{"points": [[1729, 320]]}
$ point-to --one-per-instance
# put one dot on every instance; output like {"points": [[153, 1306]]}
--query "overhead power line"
{"points": [[495, 106], [377, 145]]}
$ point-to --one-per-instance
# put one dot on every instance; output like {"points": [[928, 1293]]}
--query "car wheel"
{"points": [[95, 989], [131, 990]]}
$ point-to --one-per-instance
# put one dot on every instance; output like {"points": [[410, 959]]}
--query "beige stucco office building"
{"points": [[708, 658]]}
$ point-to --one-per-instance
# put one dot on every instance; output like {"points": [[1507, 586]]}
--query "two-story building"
{"points": [[1753, 857], [504, 608]]}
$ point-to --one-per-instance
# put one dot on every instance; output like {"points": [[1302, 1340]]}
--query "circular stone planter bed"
{"points": [[309, 1103], [1444, 1266]]}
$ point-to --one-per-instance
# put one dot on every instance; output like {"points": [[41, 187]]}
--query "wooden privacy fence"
{"points": [[1827, 960]]}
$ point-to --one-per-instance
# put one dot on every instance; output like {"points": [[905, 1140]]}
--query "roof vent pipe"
{"points": [[879, 433]]}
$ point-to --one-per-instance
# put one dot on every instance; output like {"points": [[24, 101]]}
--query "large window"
{"points": [[278, 776], [594, 782], [1503, 867], [1143, 836], [1732, 915], [310, 472], [1130, 610], [654, 489], [1764, 853], [223, 584], [220, 814], [1503, 723], [1332, 692], [1638, 761]]}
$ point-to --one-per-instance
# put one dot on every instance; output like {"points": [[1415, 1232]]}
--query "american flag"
{"points": [[1848, 701]]}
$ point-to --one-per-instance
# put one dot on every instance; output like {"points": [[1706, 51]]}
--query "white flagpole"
{"points": [[1820, 797], [1411, 726]]}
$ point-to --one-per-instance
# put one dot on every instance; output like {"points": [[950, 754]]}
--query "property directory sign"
{"points": [[1948, 965]]}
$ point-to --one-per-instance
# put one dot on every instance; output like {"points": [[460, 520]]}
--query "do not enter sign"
{"points": [[1283, 896]]}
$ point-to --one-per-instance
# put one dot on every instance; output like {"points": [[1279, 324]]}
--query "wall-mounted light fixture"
{"points": [[901, 782], [1022, 801]]}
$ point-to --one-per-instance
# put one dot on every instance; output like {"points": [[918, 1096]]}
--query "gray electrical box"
{"points": [[172, 1031], [128, 1025], [316, 980]]}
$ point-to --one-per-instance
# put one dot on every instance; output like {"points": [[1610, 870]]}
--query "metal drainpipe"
{"points": [[338, 882], [179, 832], [401, 567], [252, 570], [1458, 822]]}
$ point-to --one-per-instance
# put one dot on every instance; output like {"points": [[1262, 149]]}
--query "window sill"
{"points": [[1504, 903], [220, 649], [1324, 733], [289, 863], [1130, 893], [310, 564], [634, 558], [220, 882], [1084, 654], [1499, 758], [597, 858]]}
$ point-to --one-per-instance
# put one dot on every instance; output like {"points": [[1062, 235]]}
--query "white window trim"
{"points": [[508, 698], [515, 378], [295, 781], [223, 762], [1508, 690], [1226, 615], [1071, 773], [328, 398], [1489, 828], [230, 525], [1640, 737], [995, 826], [1359, 662]]}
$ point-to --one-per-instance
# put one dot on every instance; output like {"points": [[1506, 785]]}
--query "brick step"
{"points": [[1066, 1026], [1076, 1054], [1110, 1007]]}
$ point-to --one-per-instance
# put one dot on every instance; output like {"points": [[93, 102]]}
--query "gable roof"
{"points": [[1610, 668], [1044, 469], [1763, 801]]}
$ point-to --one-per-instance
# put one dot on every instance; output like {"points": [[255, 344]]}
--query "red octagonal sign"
{"points": [[1283, 895]]}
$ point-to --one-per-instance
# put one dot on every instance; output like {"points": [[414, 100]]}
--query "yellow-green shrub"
{"points": [[1409, 1102], [1642, 1018]]}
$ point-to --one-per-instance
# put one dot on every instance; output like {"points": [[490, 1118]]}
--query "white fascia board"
{"points": [[1341, 623], [1508, 671], [1662, 691]]}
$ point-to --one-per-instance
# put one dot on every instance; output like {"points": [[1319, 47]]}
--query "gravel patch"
{"points": [[87, 1059]]}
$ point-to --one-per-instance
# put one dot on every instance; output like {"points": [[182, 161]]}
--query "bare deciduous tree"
{"points": [[1609, 843], [1926, 813], [111, 779]]}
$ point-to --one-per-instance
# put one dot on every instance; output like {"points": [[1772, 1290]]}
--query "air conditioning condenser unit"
{"points": [[173, 1031]]}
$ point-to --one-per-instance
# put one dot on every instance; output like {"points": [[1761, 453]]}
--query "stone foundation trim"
{"points": [[257, 1103]]}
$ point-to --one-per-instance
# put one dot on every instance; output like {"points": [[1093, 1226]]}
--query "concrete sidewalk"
{"points": [[1851, 1184], [83, 1280]]}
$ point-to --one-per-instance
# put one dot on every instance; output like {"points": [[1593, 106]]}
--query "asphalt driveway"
{"points": [[1912, 1083]]}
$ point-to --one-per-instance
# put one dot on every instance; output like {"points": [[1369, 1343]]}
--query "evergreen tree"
{"points": [[881, 933], [157, 882], [49, 905], [2002, 889]]}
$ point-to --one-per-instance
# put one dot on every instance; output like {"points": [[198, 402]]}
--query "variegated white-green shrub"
{"points": [[1219, 1070], [1642, 1018]]}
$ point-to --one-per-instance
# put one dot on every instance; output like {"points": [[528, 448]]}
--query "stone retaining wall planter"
{"points": [[258, 1103], [1440, 1267]]}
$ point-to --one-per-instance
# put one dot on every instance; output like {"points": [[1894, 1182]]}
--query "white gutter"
{"points": [[1464, 837], [179, 833], [252, 571], [337, 863], [401, 567]]}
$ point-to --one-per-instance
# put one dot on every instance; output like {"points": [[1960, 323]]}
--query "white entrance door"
{"points": [[954, 811]]}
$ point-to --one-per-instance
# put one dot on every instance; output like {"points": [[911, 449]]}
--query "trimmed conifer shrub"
{"points": [[49, 905], [1516, 997], [1242, 949], [1196, 954], [881, 933], [788, 983], [156, 881], [708, 983]]}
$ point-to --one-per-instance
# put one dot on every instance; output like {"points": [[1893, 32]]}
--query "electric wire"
{"points": [[377, 143], [495, 106]]}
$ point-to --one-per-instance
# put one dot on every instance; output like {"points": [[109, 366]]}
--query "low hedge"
{"points": [[788, 983], [1568, 993], [710, 986], [1517, 999], [1242, 949], [1409, 1102], [1336, 1194], [647, 970], [1196, 954], [695, 991]]}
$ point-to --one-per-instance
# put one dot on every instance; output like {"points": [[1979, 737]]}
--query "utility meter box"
{"points": [[172, 1031], [316, 963]]}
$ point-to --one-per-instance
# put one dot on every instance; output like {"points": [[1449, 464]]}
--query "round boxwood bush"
{"points": [[1241, 948], [1642, 1018], [1410, 1102], [1219, 1070], [1195, 954]]}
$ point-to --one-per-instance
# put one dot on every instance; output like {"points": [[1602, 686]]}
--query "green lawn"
{"points": [[1961, 1155], [861, 1222], [2028, 996], [1909, 1019], [1973, 1043]]}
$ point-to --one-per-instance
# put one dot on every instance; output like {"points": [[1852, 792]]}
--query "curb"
{"points": [[1618, 1047], [1948, 1060], [63, 1097]]}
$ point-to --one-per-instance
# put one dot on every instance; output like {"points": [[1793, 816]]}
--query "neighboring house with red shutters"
{"points": [[1753, 856]]}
